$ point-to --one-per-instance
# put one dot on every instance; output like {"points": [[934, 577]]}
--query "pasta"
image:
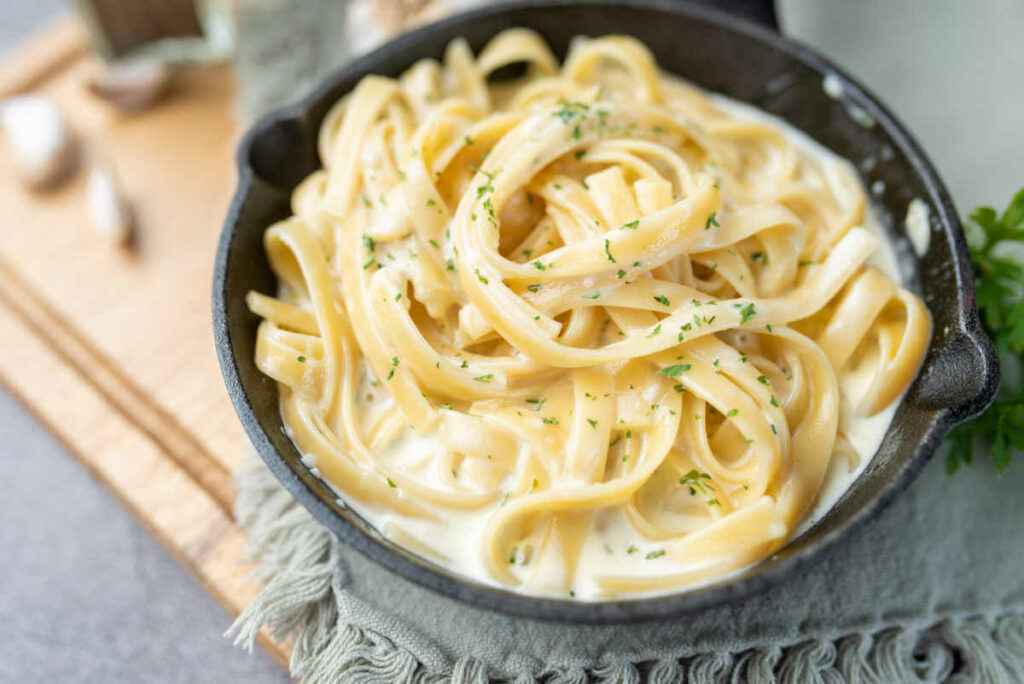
{"points": [[583, 329]]}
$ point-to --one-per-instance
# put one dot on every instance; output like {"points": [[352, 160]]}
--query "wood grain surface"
{"points": [[113, 349]]}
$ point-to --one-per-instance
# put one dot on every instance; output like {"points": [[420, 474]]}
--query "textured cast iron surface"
{"points": [[717, 52]]}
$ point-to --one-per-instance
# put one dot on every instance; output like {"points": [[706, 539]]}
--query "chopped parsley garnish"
{"points": [[763, 379], [656, 331], [593, 423], [300, 359], [657, 553], [747, 312], [391, 483], [539, 265], [536, 402], [548, 420], [620, 274], [632, 225], [712, 221], [732, 413], [592, 295], [479, 276], [663, 300], [676, 370], [484, 378], [775, 401], [696, 481], [533, 288], [572, 111], [608, 251], [394, 365]]}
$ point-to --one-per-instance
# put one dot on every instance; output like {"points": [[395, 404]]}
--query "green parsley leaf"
{"points": [[997, 279]]}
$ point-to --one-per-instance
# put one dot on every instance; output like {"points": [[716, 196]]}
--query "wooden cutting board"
{"points": [[113, 349]]}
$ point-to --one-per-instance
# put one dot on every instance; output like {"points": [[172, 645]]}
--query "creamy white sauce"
{"points": [[918, 227], [833, 87], [611, 546]]}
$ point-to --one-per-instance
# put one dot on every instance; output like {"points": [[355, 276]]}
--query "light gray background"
{"points": [[87, 596]]}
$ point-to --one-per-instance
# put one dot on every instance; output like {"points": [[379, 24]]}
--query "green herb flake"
{"points": [[712, 221], [608, 251], [676, 370], [663, 300]]}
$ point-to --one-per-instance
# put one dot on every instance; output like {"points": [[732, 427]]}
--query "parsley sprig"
{"points": [[999, 287]]}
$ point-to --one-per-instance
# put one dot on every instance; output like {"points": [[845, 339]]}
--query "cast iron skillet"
{"points": [[724, 54]]}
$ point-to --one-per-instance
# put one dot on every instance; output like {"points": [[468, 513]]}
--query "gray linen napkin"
{"points": [[932, 587], [932, 590]]}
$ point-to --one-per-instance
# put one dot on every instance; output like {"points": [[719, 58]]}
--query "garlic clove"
{"points": [[42, 144], [132, 86], [110, 212]]}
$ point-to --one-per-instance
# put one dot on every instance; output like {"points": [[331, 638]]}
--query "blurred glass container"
{"points": [[170, 31]]}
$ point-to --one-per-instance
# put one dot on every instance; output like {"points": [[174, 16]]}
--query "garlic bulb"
{"points": [[132, 86], [109, 211], [42, 144]]}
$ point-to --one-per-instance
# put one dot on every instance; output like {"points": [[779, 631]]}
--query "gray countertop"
{"points": [[87, 595]]}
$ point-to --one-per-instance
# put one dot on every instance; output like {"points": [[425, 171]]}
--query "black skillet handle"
{"points": [[758, 11]]}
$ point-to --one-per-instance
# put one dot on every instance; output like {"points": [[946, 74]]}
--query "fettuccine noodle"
{"points": [[580, 330]]}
